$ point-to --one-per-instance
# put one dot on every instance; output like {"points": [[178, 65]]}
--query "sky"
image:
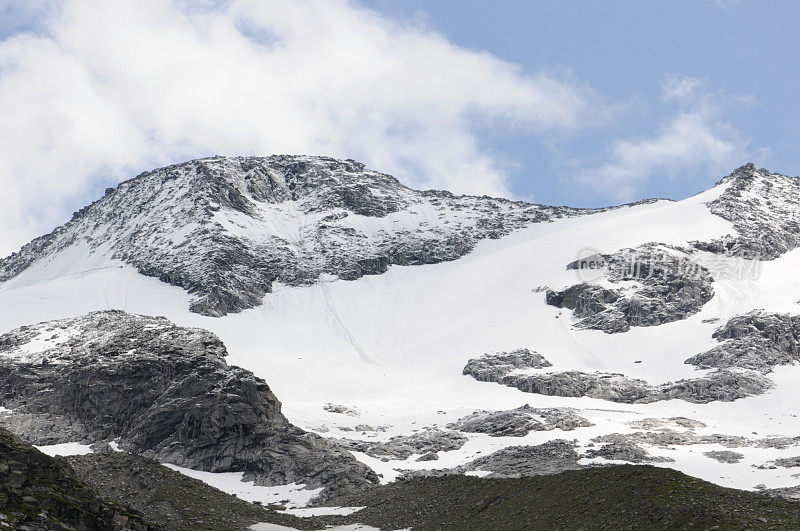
{"points": [[580, 103]]}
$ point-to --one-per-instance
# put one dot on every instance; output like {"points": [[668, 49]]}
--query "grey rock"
{"points": [[489, 367], [404, 446], [430, 456], [623, 449], [340, 409], [164, 392], [520, 421], [757, 341], [724, 385], [669, 437], [669, 286], [724, 456], [661, 423], [788, 462], [789, 493], [514, 461], [764, 210]]}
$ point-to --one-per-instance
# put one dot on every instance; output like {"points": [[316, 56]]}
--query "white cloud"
{"points": [[112, 87], [694, 140]]}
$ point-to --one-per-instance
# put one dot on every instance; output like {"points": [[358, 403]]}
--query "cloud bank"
{"points": [[103, 89], [694, 140]]}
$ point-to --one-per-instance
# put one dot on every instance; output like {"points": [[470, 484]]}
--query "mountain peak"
{"points": [[226, 228]]}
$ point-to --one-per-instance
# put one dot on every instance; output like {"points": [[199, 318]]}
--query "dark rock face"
{"points": [[489, 367], [757, 341], [764, 210], [515, 461], [520, 421], [164, 392], [38, 492], [426, 442], [669, 287], [724, 385], [225, 229]]}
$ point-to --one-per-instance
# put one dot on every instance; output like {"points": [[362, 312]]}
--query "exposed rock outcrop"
{"points": [[426, 442], [667, 286], [724, 385], [724, 456], [623, 449], [165, 392], [489, 367], [515, 461], [520, 421], [757, 341]]}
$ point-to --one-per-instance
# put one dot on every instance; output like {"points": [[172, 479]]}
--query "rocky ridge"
{"points": [[670, 283], [162, 391], [227, 229], [764, 210]]}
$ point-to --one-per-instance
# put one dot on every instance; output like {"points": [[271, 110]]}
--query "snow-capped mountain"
{"points": [[226, 229], [426, 332]]}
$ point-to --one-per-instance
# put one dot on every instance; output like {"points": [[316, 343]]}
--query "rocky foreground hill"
{"points": [[162, 391]]}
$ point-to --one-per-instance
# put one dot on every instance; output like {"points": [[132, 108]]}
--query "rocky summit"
{"points": [[227, 229]]}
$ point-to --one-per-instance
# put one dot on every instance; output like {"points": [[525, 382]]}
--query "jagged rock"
{"points": [[514, 461], [404, 446], [757, 341], [622, 449], [38, 492], [165, 392], [669, 286], [225, 229], [520, 421], [430, 456], [724, 456], [489, 367], [764, 210]]}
